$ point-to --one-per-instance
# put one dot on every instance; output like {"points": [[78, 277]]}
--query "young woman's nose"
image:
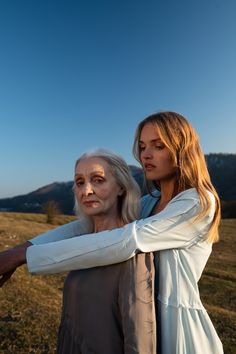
{"points": [[146, 153]]}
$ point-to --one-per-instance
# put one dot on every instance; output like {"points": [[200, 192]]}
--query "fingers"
{"points": [[5, 277]]}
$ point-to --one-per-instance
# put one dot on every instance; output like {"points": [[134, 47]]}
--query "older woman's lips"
{"points": [[90, 203]]}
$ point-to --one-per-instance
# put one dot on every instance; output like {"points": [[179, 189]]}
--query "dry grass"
{"points": [[30, 305], [218, 285]]}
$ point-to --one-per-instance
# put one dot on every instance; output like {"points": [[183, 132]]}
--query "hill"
{"points": [[60, 192], [31, 305], [222, 168]]}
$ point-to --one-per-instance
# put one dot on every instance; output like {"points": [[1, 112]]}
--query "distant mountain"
{"points": [[60, 192], [222, 168]]}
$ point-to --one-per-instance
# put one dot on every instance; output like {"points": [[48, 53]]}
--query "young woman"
{"points": [[180, 224]]}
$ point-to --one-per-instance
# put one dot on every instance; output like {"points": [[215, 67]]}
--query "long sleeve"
{"points": [[72, 229], [174, 227]]}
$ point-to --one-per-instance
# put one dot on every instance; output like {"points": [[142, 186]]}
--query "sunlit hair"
{"points": [[182, 140], [129, 201]]}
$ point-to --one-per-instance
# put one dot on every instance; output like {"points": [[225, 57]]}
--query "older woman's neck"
{"points": [[102, 223]]}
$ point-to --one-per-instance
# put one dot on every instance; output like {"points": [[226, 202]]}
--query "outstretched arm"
{"points": [[72, 229], [14, 257], [171, 228]]}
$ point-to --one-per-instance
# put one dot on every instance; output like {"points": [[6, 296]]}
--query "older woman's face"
{"points": [[96, 188]]}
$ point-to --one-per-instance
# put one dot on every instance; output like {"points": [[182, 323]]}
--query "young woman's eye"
{"points": [[159, 146], [141, 148]]}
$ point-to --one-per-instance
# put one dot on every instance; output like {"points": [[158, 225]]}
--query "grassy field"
{"points": [[30, 305]]}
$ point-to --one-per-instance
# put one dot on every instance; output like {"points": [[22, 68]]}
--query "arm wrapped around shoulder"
{"points": [[174, 227]]}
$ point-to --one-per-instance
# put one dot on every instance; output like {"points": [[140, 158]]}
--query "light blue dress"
{"points": [[183, 323]]}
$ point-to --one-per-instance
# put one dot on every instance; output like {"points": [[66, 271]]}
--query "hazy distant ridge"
{"points": [[222, 168]]}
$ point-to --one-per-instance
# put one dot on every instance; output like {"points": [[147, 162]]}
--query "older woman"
{"points": [[108, 309]]}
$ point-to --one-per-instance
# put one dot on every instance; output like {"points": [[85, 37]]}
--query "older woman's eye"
{"points": [[98, 180], [79, 183]]}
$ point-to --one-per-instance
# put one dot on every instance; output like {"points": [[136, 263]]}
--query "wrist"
{"points": [[20, 253]]}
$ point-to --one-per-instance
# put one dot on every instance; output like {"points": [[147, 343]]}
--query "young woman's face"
{"points": [[96, 188], [155, 156]]}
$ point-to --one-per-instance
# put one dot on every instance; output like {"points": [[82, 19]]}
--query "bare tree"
{"points": [[51, 209]]}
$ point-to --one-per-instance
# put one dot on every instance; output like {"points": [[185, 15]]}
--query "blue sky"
{"points": [[75, 75]]}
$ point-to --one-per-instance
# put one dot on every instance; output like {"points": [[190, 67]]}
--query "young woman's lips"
{"points": [[149, 167]]}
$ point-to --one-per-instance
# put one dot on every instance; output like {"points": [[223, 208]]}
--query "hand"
{"points": [[11, 259], [5, 277]]}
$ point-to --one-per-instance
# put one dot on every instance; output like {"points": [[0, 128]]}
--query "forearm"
{"points": [[72, 229], [82, 252]]}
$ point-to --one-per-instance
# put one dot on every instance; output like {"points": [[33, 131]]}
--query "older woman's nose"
{"points": [[88, 189]]}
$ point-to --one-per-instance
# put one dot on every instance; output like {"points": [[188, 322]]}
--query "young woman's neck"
{"points": [[167, 188]]}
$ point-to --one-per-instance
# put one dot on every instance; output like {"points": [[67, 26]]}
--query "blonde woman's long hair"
{"points": [[129, 201], [183, 142]]}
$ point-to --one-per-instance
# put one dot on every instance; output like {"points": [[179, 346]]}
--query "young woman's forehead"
{"points": [[149, 132]]}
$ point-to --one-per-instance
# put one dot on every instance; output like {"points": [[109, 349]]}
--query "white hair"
{"points": [[129, 201]]}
